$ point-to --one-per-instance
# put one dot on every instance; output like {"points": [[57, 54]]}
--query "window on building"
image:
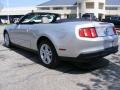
{"points": [[58, 8], [101, 5], [71, 8], [70, 16], [111, 8], [90, 5], [44, 8]]}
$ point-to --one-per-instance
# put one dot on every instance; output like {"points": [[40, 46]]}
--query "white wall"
{"points": [[96, 9], [83, 9], [63, 12], [17, 11], [113, 12]]}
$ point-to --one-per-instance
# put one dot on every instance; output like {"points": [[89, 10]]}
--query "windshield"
{"points": [[37, 18]]}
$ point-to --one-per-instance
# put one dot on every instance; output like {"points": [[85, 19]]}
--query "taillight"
{"points": [[114, 30], [88, 32]]}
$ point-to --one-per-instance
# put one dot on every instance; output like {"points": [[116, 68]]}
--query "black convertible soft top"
{"points": [[68, 20], [72, 20]]}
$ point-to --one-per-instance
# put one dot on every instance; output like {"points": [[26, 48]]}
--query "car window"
{"points": [[35, 18], [86, 16], [119, 19], [114, 18], [28, 18]]}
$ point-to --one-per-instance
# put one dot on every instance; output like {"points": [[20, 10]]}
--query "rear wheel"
{"points": [[47, 54], [7, 40]]}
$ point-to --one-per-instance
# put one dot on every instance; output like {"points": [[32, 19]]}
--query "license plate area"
{"points": [[105, 31], [110, 43], [115, 43]]}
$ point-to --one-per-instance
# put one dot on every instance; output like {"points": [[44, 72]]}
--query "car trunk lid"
{"points": [[104, 29]]}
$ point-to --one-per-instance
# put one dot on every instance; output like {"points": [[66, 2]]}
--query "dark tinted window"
{"points": [[86, 16], [114, 18]]}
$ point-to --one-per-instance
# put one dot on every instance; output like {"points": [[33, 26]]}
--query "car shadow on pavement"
{"points": [[106, 73], [65, 67], [108, 78]]}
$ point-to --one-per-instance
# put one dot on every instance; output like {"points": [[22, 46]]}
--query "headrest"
{"points": [[45, 20]]}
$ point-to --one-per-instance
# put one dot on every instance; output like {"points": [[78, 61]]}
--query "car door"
{"points": [[25, 31], [22, 33]]}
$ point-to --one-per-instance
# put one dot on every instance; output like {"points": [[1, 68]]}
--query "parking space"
{"points": [[20, 70]]}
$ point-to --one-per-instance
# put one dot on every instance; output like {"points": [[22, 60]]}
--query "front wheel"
{"points": [[7, 40], [47, 54]]}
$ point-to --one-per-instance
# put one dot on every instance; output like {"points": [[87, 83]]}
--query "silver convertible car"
{"points": [[53, 37]]}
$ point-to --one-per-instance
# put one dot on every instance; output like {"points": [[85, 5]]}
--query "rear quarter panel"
{"points": [[61, 35]]}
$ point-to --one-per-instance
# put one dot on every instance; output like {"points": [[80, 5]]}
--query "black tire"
{"points": [[7, 41], [54, 57]]}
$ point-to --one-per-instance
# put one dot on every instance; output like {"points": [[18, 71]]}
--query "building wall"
{"points": [[96, 9], [82, 8], [65, 11], [114, 10], [16, 11], [9, 15]]}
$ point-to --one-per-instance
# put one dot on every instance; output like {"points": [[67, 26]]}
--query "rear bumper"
{"points": [[87, 57], [102, 53]]}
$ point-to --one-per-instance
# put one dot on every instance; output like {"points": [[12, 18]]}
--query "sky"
{"points": [[21, 3]]}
